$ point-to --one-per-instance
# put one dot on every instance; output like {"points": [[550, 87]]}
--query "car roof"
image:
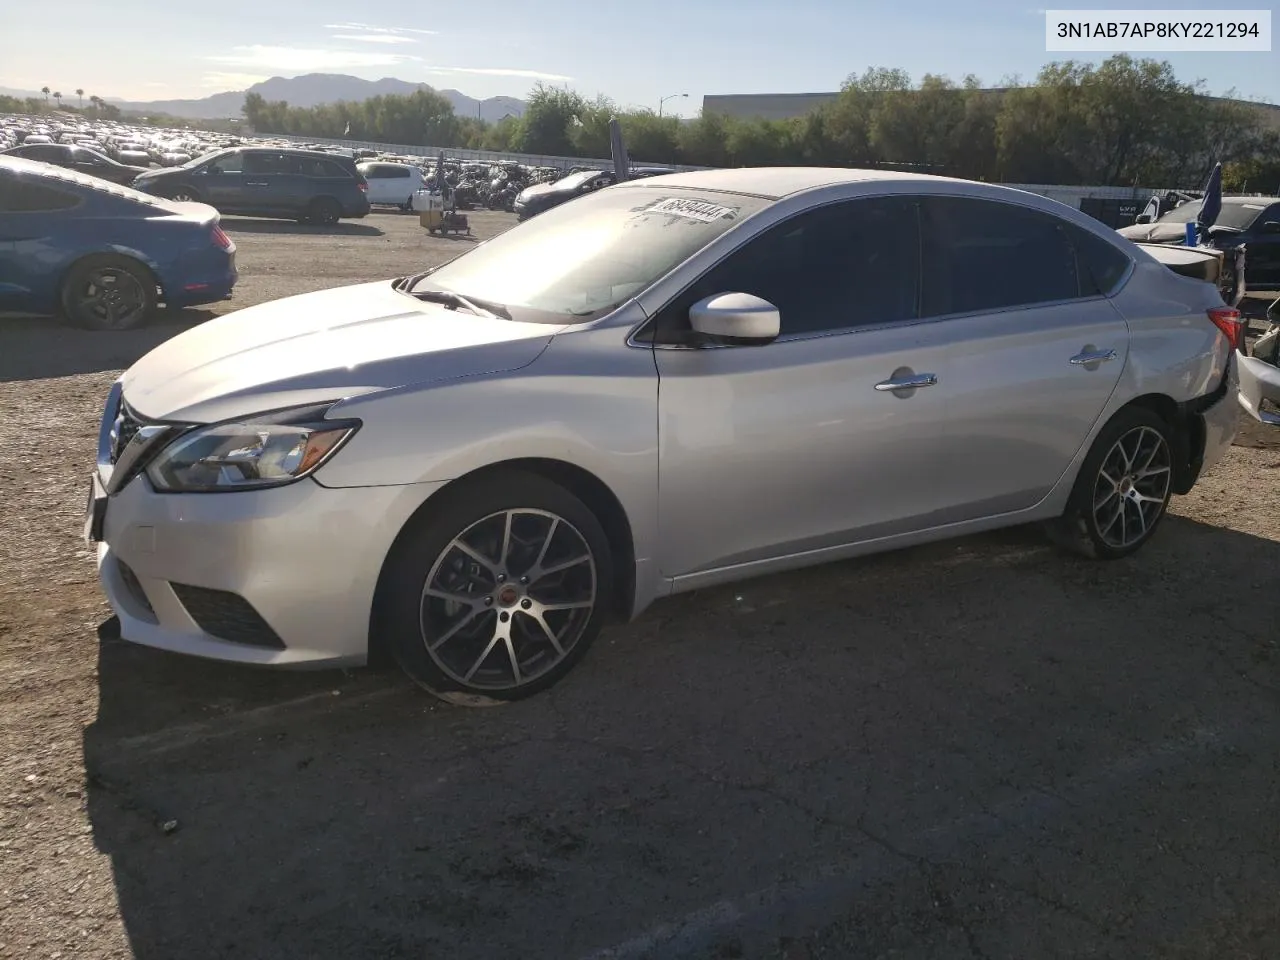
{"points": [[774, 183], [80, 181]]}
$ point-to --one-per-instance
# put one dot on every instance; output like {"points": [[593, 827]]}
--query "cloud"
{"points": [[501, 72], [304, 59], [369, 28], [374, 38], [231, 81]]}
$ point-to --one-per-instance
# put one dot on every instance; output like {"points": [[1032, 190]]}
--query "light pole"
{"points": [[665, 99]]}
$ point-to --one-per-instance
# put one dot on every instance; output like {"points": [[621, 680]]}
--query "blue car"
{"points": [[104, 255]]}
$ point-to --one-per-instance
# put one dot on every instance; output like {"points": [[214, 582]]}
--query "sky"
{"points": [[634, 53]]}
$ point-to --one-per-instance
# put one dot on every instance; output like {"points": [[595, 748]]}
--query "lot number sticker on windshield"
{"points": [[699, 210]]}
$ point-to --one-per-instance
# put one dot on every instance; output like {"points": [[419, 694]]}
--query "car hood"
{"points": [[538, 191], [1155, 232], [321, 346]]}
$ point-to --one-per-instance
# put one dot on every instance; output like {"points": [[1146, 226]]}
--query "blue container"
{"points": [[1191, 234]]}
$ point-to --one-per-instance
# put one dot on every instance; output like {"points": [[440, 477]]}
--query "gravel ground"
{"points": [[976, 749]]}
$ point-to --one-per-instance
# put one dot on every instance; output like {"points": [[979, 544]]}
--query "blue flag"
{"points": [[1212, 206]]}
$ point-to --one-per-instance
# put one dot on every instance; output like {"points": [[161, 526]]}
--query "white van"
{"points": [[392, 184]]}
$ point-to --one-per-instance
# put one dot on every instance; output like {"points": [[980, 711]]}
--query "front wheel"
{"points": [[497, 592], [1123, 490], [184, 195]]}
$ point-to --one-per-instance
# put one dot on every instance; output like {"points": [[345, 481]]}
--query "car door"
{"points": [[220, 183], [34, 218], [802, 444], [1262, 251], [1035, 349], [268, 184]]}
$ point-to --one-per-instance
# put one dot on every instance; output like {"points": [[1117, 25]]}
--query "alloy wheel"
{"points": [[508, 599], [112, 296], [1132, 487]]}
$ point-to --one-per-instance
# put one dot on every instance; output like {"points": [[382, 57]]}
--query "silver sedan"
{"points": [[668, 384]]}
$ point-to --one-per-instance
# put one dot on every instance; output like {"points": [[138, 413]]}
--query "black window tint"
{"points": [[230, 163], [47, 153], [843, 265], [25, 195], [261, 162], [397, 173], [1099, 263], [982, 255]]}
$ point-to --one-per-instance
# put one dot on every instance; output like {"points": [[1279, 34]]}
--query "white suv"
{"points": [[392, 184]]}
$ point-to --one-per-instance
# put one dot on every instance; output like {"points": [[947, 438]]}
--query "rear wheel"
{"points": [[109, 292], [498, 592], [324, 210], [1123, 490]]}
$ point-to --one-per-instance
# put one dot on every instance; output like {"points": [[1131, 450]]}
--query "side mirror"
{"points": [[1143, 218], [736, 319], [214, 169]]}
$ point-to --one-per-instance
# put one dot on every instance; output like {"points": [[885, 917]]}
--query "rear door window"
{"points": [[985, 255]]}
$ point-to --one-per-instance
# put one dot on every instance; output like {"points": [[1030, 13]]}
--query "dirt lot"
{"points": [[978, 749]]}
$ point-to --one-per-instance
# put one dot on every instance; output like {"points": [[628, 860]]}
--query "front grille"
{"points": [[134, 588], [227, 616]]}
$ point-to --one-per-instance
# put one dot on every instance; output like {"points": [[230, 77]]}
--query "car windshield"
{"points": [[1236, 216], [589, 255]]}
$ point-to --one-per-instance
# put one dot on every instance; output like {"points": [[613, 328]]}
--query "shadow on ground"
{"points": [[343, 228], [38, 348], [979, 748]]}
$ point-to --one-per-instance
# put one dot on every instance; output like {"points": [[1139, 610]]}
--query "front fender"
{"points": [[589, 401]]}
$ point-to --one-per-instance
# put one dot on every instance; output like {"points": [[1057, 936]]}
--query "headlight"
{"points": [[267, 451]]}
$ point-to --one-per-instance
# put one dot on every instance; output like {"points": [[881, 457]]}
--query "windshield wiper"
{"points": [[406, 284], [494, 311]]}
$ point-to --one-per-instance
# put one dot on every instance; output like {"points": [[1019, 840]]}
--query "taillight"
{"points": [[1229, 321], [364, 186]]}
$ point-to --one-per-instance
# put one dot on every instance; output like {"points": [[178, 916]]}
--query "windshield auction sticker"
{"points": [[699, 210]]}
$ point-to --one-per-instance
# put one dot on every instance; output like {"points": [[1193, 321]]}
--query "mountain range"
{"points": [[309, 90]]}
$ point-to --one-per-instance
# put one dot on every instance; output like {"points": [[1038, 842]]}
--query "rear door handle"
{"points": [[1093, 356], [911, 382], [255, 183]]}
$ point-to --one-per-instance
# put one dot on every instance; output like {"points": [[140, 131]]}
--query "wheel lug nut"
{"points": [[505, 616], [526, 603], [524, 580], [502, 578], [488, 601]]}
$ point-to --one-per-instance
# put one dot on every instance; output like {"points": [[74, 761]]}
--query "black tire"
{"points": [[108, 292], [1087, 526], [324, 211], [408, 206], [426, 556]]}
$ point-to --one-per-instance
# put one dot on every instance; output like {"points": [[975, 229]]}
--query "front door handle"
{"points": [[1093, 356], [912, 381], [255, 183]]}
